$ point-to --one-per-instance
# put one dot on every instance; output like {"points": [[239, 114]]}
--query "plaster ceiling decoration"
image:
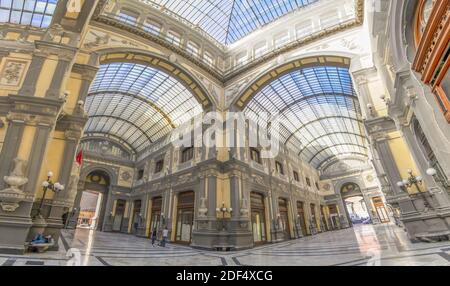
{"points": [[228, 21], [137, 104], [319, 113]]}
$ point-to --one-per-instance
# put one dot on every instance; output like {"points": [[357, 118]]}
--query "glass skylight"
{"points": [[230, 20], [37, 13], [318, 110], [137, 103]]}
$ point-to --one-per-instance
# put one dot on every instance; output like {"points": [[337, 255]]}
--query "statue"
{"points": [[12, 196]]}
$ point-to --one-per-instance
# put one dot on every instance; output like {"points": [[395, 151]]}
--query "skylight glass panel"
{"points": [[318, 110], [37, 13], [137, 103], [228, 21]]}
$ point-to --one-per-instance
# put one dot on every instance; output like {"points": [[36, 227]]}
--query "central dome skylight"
{"points": [[228, 21]]}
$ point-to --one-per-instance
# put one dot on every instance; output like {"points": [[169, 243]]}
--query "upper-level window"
{"points": [[208, 58], [255, 155], [296, 176], [281, 40], [159, 166], [304, 29], [128, 17], [241, 58], [308, 181], [426, 13], [37, 13], [174, 38], [329, 19], [193, 48], [187, 154], [152, 27], [260, 49], [140, 174], [279, 167]]}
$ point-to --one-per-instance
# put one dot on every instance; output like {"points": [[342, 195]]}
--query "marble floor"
{"points": [[361, 245]]}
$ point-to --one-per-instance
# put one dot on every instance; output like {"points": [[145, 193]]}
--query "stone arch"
{"points": [[340, 184], [113, 176], [305, 60], [139, 56]]}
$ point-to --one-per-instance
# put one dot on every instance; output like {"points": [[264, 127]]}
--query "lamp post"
{"points": [[415, 181], [224, 210], [48, 185]]}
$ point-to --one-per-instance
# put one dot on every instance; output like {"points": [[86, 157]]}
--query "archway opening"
{"points": [[357, 210], [91, 201]]}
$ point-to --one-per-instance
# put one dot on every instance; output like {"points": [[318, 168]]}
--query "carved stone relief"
{"points": [[12, 72]]}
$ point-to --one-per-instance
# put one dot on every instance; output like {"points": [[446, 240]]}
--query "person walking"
{"points": [[165, 235], [153, 236]]}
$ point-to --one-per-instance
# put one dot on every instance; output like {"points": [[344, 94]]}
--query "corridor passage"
{"points": [[362, 245]]}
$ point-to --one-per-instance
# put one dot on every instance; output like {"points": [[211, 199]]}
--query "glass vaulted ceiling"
{"points": [[37, 13], [319, 113], [137, 104], [230, 20]]}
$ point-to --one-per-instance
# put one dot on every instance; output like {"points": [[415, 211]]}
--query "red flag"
{"points": [[79, 158]]}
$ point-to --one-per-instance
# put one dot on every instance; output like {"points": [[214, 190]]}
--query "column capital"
{"points": [[87, 72]]}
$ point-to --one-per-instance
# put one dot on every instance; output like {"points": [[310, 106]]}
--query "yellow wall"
{"points": [[46, 76], [402, 156], [53, 161]]}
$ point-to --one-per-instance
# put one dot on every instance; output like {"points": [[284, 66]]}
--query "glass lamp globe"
{"points": [[45, 184], [431, 172]]}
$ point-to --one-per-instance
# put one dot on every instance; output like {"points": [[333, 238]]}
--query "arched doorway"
{"points": [[185, 217], [355, 205], [258, 215], [91, 201]]}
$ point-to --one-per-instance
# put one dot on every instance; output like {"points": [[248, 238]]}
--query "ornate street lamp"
{"points": [[224, 210], [413, 181], [49, 185]]}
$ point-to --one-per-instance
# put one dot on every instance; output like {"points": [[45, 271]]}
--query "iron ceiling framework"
{"points": [[318, 111], [138, 104], [228, 21], [37, 13]]}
